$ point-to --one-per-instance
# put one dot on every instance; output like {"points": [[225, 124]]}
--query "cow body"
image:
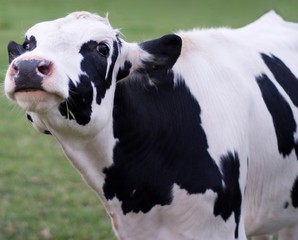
{"points": [[196, 139]]}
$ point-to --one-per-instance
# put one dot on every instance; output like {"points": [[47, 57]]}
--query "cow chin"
{"points": [[37, 101]]}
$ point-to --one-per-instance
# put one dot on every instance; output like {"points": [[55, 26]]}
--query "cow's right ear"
{"points": [[14, 50]]}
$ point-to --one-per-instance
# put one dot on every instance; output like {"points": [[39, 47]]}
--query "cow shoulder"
{"points": [[160, 141]]}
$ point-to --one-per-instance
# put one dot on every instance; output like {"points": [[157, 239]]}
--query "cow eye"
{"points": [[103, 49]]}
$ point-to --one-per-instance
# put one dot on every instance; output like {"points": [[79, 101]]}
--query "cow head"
{"points": [[65, 67], [65, 71]]}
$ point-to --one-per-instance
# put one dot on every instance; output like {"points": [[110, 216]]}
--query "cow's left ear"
{"points": [[14, 50], [165, 50]]}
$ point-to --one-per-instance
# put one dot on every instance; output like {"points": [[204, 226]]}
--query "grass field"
{"points": [[41, 195]]}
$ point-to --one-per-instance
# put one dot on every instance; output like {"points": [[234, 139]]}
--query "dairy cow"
{"points": [[189, 136]]}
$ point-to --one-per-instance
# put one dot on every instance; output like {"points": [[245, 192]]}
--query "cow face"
{"points": [[65, 69]]}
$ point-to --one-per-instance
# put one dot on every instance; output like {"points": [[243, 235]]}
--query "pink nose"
{"points": [[28, 74]]}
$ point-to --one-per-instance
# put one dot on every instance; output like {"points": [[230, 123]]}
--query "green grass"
{"points": [[41, 195]]}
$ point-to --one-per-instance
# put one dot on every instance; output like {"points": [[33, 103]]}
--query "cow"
{"points": [[189, 136]]}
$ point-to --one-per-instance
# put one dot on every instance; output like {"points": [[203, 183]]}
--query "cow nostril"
{"points": [[14, 69], [45, 68]]}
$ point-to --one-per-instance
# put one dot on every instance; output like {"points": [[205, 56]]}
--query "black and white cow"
{"points": [[189, 136]]}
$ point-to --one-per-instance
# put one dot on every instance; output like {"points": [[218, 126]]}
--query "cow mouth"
{"points": [[36, 99], [28, 89]]}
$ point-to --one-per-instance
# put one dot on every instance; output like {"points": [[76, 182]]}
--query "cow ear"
{"points": [[14, 50], [165, 50]]}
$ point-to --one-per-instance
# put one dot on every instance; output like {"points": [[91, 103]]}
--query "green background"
{"points": [[41, 195]]}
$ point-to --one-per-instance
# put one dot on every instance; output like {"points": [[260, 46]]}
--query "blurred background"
{"points": [[41, 194]]}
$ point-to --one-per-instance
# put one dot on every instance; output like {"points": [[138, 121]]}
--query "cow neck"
{"points": [[90, 154]]}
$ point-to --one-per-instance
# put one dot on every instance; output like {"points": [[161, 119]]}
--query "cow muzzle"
{"points": [[29, 74], [26, 82]]}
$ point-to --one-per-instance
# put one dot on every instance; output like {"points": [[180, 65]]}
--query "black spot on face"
{"points": [[282, 115], [78, 106], [286, 205], [99, 74], [15, 50], [30, 43], [96, 67], [230, 198]]}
